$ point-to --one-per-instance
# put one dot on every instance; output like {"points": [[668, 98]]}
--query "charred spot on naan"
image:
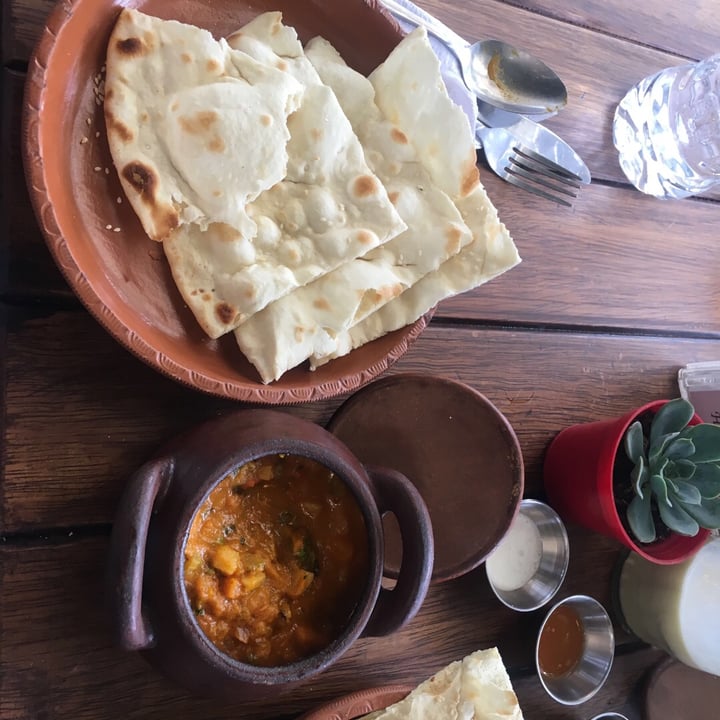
{"points": [[365, 186], [216, 144], [144, 180], [376, 297], [453, 238], [117, 127], [134, 46], [394, 196], [399, 136], [226, 313], [199, 123], [383, 293], [470, 177], [321, 304], [202, 124], [365, 237]]}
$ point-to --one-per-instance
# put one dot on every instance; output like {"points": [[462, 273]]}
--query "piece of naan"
{"points": [[306, 321], [435, 699], [264, 200], [180, 108], [475, 688], [400, 95], [486, 691]]}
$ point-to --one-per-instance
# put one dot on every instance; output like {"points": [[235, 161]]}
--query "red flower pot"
{"points": [[578, 476]]}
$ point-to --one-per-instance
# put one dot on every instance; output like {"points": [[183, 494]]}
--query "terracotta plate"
{"points": [[455, 446], [122, 277], [358, 704]]}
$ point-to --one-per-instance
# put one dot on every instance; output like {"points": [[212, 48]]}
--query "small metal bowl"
{"points": [[554, 556], [593, 668], [609, 716]]}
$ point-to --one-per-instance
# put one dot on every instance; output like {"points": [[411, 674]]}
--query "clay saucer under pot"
{"points": [[456, 447], [150, 607]]}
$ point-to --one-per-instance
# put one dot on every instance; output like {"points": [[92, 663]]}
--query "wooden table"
{"points": [[613, 296]]}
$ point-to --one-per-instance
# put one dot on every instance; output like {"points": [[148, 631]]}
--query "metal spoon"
{"points": [[496, 72]]}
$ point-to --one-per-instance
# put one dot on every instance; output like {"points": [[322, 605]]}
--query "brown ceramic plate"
{"points": [[678, 692], [455, 446], [358, 703], [123, 278]]}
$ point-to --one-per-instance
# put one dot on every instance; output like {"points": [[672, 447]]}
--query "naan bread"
{"points": [[306, 321], [196, 130], [263, 203], [486, 690], [420, 117], [475, 688], [435, 699], [491, 253]]}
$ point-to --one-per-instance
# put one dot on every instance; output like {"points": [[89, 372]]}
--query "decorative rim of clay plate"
{"points": [[359, 703], [56, 86]]}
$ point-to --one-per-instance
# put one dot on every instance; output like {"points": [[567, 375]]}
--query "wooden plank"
{"points": [[82, 413], [689, 29], [57, 659], [617, 259], [26, 266]]}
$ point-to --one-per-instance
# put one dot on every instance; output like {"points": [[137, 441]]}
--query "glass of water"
{"points": [[667, 130]]}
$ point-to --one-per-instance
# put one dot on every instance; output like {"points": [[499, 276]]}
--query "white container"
{"points": [[528, 566], [667, 130], [517, 558], [676, 607]]}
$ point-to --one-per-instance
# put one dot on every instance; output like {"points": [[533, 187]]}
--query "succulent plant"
{"points": [[677, 467]]}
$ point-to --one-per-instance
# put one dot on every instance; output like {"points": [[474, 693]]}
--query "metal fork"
{"points": [[536, 174], [534, 159]]}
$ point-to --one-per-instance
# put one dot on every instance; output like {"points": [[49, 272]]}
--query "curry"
{"points": [[562, 642], [276, 560]]}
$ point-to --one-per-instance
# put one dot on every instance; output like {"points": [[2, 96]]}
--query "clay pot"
{"points": [[578, 476], [148, 602]]}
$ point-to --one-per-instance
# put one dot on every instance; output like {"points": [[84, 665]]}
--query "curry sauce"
{"points": [[276, 560]]}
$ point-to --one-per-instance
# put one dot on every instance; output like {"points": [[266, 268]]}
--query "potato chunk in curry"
{"points": [[276, 560]]}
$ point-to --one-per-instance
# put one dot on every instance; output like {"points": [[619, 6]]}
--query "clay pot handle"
{"points": [[395, 493], [126, 564]]}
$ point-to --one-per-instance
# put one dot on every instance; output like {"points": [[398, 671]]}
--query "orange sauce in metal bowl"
{"points": [[562, 642], [276, 560]]}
